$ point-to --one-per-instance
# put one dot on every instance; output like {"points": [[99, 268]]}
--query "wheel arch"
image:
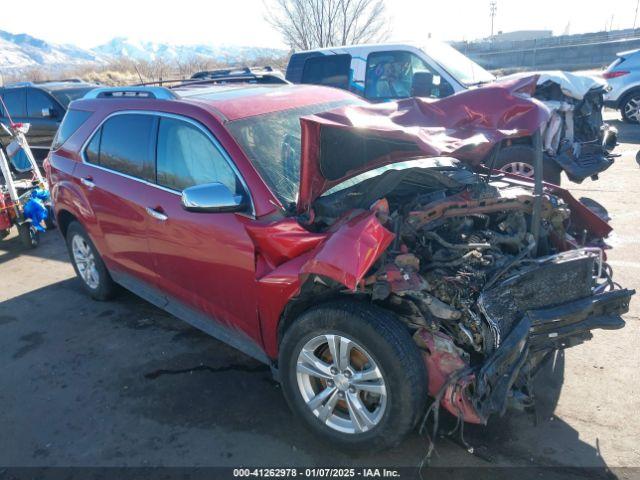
{"points": [[64, 219], [623, 97], [311, 295]]}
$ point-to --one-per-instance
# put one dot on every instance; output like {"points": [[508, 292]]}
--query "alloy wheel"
{"points": [[518, 168], [85, 261], [632, 109], [341, 383]]}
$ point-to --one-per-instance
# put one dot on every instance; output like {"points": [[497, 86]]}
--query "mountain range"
{"points": [[19, 51]]}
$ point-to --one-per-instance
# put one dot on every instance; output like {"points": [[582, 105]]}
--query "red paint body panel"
{"points": [[235, 102], [275, 291], [350, 251], [206, 261], [282, 240]]}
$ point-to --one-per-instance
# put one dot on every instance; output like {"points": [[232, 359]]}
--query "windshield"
{"points": [[272, 142], [65, 97], [462, 68]]}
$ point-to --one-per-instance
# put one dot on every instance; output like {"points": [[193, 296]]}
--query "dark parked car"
{"points": [[42, 105], [320, 235]]}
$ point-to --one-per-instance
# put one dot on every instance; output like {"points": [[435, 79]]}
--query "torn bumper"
{"points": [[477, 396], [559, 327]]}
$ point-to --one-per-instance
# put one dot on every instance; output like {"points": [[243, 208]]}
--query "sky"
{"points": [[90, 23]]}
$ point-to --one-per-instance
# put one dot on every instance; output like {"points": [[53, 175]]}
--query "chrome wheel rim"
{"points": [[632, 109], [518, 168], [341, 383], [85, 261]]}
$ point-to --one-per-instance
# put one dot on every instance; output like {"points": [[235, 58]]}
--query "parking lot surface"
{"points": [[122, 383]]}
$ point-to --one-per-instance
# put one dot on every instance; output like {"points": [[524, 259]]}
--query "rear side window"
{"points": [[40, 105], [126, 145], [328, 70], [187, 157], [70, 123], [15, 100]]}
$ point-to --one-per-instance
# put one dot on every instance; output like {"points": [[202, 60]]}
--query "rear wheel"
{"points": [[630, 108], [353, 373], [88, 264], [520, 160], [50, 221]]}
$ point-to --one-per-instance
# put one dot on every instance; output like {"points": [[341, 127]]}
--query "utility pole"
{"points": [[493, 7], [635, 17]]}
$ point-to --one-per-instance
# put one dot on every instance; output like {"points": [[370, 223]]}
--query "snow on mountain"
{"points": [[149, 51], [22, 50], [19, 51]]}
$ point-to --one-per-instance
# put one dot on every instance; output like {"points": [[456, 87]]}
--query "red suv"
{"points": [[341, 248]]}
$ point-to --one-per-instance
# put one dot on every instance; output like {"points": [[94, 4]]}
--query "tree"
{"points": [[308, 24]]}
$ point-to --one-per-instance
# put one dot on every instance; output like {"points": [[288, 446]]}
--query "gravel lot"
{"points": [[124, 384]]}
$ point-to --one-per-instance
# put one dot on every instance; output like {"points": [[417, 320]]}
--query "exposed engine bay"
{"points": [[486, 299]]}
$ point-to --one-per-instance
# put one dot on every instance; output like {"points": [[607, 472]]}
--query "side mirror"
{"points": [[212, 198], [422, 84]]}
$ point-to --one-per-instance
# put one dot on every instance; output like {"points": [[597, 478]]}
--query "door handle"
{"points": [[157, 214], [88, 182]]}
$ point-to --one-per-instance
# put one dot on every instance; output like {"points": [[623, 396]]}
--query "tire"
{"points": [[98, 284], [50, 221], [525, 155], [29, 236], [380, 340], [630, 108]]}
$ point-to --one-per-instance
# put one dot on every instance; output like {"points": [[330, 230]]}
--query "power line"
{"points": [[493, 8]]}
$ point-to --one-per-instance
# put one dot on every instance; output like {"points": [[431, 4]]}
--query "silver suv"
{"points": [[623, 75]]}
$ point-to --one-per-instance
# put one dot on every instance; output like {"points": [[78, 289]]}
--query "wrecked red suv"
{"points": [[354, 248]]}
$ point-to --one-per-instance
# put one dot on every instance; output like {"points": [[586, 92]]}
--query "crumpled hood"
{"points": [[343, 143]]}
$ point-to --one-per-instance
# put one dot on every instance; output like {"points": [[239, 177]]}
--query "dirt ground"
{"points": [[123, 384]]}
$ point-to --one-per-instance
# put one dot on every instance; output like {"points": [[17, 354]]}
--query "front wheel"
{"points": [[520, 160], [353, 373], [630, 108], [29, 236], [88, 264]]}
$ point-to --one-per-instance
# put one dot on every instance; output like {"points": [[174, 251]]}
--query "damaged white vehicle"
{"points": [[575, 138]]}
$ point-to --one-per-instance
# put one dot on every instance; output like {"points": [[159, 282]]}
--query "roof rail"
{"points": [[157, 93], [270, 78], [61, 80], [228, 72], [18, 84]]}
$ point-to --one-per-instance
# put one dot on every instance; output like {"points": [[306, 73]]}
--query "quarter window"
{"points": [[92, 152], [125, 145], [187, 157], [70, 124]]}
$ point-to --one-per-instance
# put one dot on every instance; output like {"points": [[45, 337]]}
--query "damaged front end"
{"points": [[487, 303], [492, 273]]}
